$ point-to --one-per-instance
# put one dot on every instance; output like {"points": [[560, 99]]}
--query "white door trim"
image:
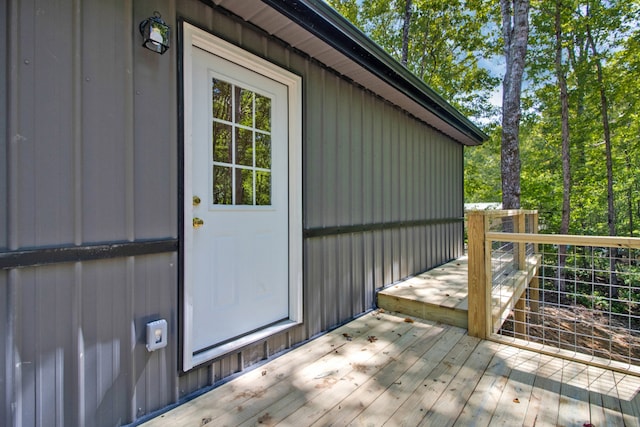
{"points": [[195, 37]]}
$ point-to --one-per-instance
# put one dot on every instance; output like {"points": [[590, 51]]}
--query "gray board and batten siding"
{"points": [[89, 223]]}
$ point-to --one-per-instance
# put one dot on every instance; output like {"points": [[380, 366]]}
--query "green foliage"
{"points": [[614, 29], [448, 41], [596, 301], [482, 170], [587, 280]]}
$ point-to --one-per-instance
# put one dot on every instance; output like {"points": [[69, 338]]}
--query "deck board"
{"points": [[304, 398], [460, 388], [483, 401], [413, 373], [406, 385], [517, 394], [389, 377], [432, 385], [546, 392], [574, 397], [362, 365]]}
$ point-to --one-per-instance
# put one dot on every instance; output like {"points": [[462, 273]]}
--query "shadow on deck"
{"points": [[383, 369]]}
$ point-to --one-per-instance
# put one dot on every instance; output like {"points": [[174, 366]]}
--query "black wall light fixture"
{"points": [[156, 33]]}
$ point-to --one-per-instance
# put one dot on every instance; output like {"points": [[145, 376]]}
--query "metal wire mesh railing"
{"points": [[573, 296], [585, 299], [504, 256]]}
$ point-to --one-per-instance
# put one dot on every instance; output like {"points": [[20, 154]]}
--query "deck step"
{"points": [[440, 295]]}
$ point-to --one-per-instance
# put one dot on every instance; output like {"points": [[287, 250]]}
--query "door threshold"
{"points": [[243, 341]]}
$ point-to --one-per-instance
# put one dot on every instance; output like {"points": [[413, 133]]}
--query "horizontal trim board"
{"points": [[347, 229], [61, 254]]}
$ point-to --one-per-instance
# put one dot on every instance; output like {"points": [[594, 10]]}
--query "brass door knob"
{"points": [[197, 222]]}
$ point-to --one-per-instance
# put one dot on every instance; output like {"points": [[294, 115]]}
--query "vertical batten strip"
{"points": [[78, 374], [421, 207], [396, 198], [12, 368], [4, 136], [357, 192], [387, 238], [128, 364], [128, 117], [367, 198], [14, 364], [76, 71], [13, 120]]}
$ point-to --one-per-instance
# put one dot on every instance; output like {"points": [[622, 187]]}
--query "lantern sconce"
{"points": [[156, 33]]}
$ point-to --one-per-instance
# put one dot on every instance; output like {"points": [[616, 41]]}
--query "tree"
{"points": [[441, 41], [625, 98], [564, 117], [515, 33], [604, 114], [405, 32]]}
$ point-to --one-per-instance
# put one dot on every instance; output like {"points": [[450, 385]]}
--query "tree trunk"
{"points": [[578, 58], [604, 114], [564, 114], [630, 172], [515, 31], [405, 32], [566, 165]]}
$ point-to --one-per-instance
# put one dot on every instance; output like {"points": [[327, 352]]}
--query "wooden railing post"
{"points": [[519, 313], [521, 252], [479, 295], [534, 298], [534, 285]]}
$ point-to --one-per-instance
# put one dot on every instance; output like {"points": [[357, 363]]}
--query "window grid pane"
{"points": [[222, 186], [241, 146]]}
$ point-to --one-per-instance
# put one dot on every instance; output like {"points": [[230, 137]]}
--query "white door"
{"points": [[238, 216]]}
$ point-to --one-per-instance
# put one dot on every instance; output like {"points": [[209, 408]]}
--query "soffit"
{"points": [[413, 96]]}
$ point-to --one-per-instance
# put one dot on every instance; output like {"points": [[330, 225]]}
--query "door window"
{"points": [[241, 146]]}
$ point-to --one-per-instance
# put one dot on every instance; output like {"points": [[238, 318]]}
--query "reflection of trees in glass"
{"points": [[221, 100], [221, 143], [244, 187], [263, 113], [244, 107], [244, 147], [222, 186], [263, 188], [241, 146], [263, 151]]}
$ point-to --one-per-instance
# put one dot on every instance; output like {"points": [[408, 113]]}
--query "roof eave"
{"points": [[320, 19]]}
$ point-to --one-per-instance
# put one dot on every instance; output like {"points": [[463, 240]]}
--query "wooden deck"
{"points": [[440, 294], [384, 369]]}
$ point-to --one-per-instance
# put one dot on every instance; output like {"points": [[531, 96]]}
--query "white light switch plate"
{"points": [[156, 334]]}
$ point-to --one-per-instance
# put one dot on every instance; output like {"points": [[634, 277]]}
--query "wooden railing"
{"points": [[494, 292], [576, 297]]}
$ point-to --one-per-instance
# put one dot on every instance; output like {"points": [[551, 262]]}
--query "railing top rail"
{"points": [[565, 239], [499, 213]]}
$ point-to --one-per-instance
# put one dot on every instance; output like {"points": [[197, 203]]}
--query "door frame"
{"points": [[196, 37]]}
